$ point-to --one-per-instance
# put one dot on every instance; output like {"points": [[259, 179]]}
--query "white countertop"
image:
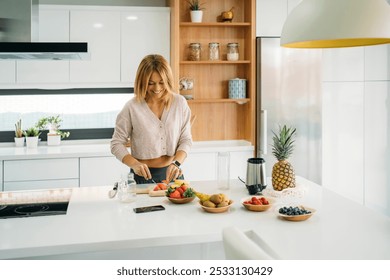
{"points": [[98, 148], [340, 229]]}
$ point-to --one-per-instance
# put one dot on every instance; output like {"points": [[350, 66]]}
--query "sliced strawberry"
{"points": [[175, 194], [180, 190]]}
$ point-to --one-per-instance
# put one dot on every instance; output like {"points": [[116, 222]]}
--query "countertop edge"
{"points": [[102, 149]]}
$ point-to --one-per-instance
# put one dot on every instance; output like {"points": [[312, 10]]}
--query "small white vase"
{"points": [[32, 142], [196, 16], [53, 139], [19, 141]]}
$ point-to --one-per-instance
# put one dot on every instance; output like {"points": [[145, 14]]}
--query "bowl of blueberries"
{"points": [[295, 213]]}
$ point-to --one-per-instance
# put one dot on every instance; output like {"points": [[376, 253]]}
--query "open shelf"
{"points": [[218, 117]]}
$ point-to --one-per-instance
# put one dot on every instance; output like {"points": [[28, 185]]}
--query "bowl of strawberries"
{"points": [[257, 203], [180, 194]]}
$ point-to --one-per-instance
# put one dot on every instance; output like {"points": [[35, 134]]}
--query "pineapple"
{"points": [[283, 175]]}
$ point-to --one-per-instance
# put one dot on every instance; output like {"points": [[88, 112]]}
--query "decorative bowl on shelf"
{"points": [[249, 204], [181, 200], [292, 215], [216, 209]]}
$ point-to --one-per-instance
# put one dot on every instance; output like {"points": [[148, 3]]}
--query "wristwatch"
{"points": [[176, 163]]}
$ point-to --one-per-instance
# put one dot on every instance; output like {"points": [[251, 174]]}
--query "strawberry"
{"points": [[175, 194], [162, 186], [180, 190], [264, 200], [184, 187]]}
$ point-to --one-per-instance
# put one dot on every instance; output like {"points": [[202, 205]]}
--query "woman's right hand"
{"points": [[141, 169]]}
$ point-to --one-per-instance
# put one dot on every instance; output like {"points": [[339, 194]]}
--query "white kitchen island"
{"points": [[96, 227]]}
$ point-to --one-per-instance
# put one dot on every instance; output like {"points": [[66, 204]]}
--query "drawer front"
{"points": [[41, 169], [101, 171], [39, 185]]}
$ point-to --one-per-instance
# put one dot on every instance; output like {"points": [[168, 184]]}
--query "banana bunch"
{"points": [[202, 196]]}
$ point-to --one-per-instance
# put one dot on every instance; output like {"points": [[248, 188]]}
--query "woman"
{"points": [[157, 122]]}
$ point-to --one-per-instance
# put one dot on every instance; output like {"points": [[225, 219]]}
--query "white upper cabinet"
{"points": [[141, 36], [53, 27], [118, 38], [101, 29]]}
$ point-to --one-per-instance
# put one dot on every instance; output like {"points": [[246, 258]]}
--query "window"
{"points": [[86, 113]]}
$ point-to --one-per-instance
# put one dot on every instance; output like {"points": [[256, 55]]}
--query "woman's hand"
{"points": [[141, 169], [173, 172]]}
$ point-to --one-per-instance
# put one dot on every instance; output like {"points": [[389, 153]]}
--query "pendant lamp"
{"points": [[337, 24]]}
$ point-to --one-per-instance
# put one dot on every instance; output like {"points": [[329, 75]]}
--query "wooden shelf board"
{"points": [[215, 62], [222, 100], [215, 24]]}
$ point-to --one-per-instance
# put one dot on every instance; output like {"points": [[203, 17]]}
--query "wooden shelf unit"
{"points": [[218, 117]]}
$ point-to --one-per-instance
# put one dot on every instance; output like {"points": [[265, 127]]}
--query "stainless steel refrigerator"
{"points": [[289, 92]]}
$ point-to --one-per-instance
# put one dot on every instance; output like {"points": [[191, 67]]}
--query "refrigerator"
{"points": [[289, 92]]}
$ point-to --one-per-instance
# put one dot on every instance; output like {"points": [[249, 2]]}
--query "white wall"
{"points": [[355, 113], [356, 127]]}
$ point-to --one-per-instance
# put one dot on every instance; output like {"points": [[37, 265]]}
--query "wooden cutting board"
{"points": [[157, 193]]}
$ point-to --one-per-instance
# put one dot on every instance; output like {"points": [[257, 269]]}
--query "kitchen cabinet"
{"points": [[218, 117], [40, 173], [153, 24], [53, 27], [101, 29], [118, 38], [101, 171], [204, 166], [200, 166]]}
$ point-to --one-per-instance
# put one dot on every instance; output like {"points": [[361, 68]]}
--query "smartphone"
{"points": [[148, 209]]}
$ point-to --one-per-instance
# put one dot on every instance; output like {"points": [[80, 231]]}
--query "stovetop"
{"points": [[33, 209], [34, 203]]}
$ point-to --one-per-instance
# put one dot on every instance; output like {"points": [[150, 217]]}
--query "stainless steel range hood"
{"points": [[19, 35]]}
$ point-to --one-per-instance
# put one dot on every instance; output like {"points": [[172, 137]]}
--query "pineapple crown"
{"points": [[283, 142]]}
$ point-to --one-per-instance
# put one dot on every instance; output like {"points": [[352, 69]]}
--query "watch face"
{"points": [[177, 163]]}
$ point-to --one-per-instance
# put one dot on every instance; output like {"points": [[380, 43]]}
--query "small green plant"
{"points": [[18, 129], [32, 132], [195, 5], [53, 123]]}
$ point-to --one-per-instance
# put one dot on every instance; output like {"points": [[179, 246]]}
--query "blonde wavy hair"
{"points": [[149, 64]]}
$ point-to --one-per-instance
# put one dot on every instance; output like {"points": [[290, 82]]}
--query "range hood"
{"points": [[19, 35]]}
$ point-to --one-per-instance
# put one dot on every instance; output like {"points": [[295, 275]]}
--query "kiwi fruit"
{"points": [[223, 204], [216, 198], [208, 203]]}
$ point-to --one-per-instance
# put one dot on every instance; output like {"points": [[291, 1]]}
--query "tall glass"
{"points": [[223, 170]]}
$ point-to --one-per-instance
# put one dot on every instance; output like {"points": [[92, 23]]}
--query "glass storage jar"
{"points": [[213, 51], [232, 51], [194, 52]]}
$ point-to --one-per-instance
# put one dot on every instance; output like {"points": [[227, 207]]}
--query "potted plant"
{"points": [[19, 135], [53, 123], [196, 10], [32, 134]]}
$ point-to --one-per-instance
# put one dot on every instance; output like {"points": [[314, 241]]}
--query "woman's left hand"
{"points": [[173, 172]]}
